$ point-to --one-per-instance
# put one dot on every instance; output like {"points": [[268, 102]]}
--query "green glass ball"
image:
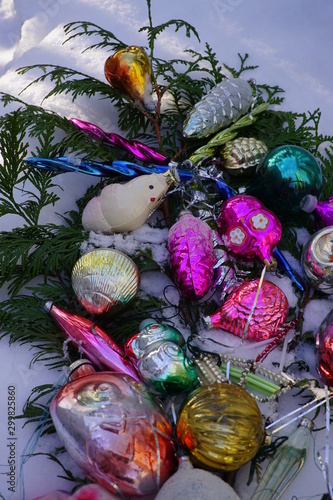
{"points": [[284, 177]]}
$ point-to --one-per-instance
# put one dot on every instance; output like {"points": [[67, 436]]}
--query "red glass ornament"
{"points": [[324, 350], [268, 317]]}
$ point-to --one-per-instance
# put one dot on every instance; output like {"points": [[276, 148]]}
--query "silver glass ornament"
{"points": [[317, 260]]}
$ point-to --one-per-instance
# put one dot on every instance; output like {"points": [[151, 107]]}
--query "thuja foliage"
{"points": [[37, 258]]}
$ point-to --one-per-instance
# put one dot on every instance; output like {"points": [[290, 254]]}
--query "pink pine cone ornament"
{"points": [[192, 257], [268, 317], [249, 230]]}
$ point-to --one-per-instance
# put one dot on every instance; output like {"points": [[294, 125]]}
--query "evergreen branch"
{"points": [[154, 31], [237, 73], [70, 81], [26, 253], [16, 197], [79, 28]]}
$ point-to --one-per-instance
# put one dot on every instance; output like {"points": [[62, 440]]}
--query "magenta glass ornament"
{"points": [[94, 342], [115, 431], [249, 230], [139, 150], [267, 319], [324, 213], [192, 257], [324, 350]]}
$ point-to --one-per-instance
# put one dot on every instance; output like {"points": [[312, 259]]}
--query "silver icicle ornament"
{"points": [[222, 105]]}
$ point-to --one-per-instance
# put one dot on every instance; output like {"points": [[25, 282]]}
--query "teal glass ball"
{"points": [[284, 177]]}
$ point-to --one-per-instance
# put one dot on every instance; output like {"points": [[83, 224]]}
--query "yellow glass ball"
{"points": [[220, 426]]}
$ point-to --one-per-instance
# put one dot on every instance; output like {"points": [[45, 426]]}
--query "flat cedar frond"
{"points": [[48, 250], [154, 31], [109, 40], [236, 73], [70, 81]]}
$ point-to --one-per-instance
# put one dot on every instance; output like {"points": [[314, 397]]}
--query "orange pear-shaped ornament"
{"points": [[129, 71]]}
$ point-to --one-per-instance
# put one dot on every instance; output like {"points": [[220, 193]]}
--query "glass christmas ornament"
{"points": [[322, 210], [285, 176], [115, 431], [249, 230], [124, 207], [220, 427], [223, 104], [286, 464], [196, 484], [151, 331], [129, 71], [242, 155], [268, 317], [317, 260], [158, 351], [139, 150], [324, 350], [191, 255], [87, 492], [104, 280], [92, 341]]}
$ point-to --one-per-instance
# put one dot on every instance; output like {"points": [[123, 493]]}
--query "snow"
{"points": [[290, 41]]}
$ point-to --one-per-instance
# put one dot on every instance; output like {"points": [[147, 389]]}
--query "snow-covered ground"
{"points": [[290, 41]]}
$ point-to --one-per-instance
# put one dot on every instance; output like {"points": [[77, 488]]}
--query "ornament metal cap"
{"points": [[80, 368], [208, 322], [171, 175], [272, 265], [306, 422], [309, 203], [48, 306]]}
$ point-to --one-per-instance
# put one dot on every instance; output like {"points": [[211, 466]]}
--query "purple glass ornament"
{"points": [[192, 257], [249, 230], [139, 150], [322, 210], [94, 342]]}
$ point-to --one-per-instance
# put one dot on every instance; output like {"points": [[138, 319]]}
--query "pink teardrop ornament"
{"points": [[268, 317], [94, 342], [192, 258], [249, 230]]}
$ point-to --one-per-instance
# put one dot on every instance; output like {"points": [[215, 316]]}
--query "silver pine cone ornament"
{"points": [[242, 155], [222, 105]]}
